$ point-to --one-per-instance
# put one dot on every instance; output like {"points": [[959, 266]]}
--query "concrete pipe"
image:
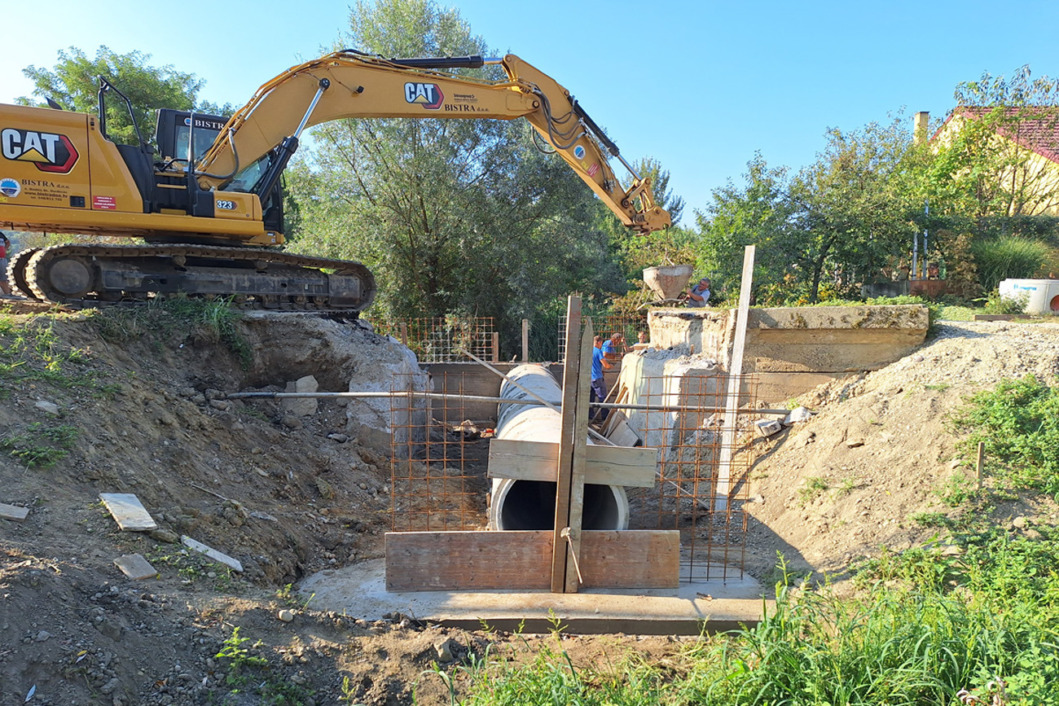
{"points": [[530, 505]]}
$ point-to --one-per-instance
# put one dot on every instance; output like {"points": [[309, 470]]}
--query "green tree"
{"points": [[452, 215], [760, 212], [74, 84], [988, 182], [857, 205]]}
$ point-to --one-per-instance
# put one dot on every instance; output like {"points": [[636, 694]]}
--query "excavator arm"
{"points": [[252, 150]]}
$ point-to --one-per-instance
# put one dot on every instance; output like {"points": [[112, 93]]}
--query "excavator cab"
{"points": [[173, 131]]}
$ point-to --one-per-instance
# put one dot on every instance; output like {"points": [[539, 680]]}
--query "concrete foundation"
{"points": [[359, 591], [792, 350]]}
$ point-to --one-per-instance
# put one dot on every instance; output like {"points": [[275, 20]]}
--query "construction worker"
{"points": [[598, 390]]}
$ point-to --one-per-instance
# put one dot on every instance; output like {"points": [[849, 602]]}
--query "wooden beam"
{"points": [[574, 575], [735, 374], [454, 561], [604, 465], [571, 367], [525, 340], [630, 559]]}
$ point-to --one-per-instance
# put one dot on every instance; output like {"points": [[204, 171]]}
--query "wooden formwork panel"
{"points": [[522, 560]]}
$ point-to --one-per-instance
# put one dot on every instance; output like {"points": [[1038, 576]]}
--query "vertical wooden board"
{"points": [[735, 372], [454, 561], [525, 340], [128, 512], [571, 367], [630, 559], [577, 467]]}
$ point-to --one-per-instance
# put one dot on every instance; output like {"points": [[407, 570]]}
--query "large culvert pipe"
{"points": [[530, 505]]}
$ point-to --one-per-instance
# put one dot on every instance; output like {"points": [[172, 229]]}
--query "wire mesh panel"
{"points": [[628, 326], [437, 461], [700, 490], [442, 339]]}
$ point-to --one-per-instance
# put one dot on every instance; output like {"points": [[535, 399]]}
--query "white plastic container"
{"points": [[1042, 294]]}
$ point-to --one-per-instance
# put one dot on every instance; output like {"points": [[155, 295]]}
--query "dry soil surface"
{"points": [[290, 496]]}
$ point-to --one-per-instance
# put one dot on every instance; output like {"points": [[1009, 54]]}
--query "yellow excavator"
{"points": [[208, 204]]}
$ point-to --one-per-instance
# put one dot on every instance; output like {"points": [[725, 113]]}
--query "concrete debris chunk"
{"points": [[212, 553], [13, 512], [47, 407], [128, 512], [854, 443], [135, 567], [798, 414], [286, 615], [443, 650], [300, 406], [768, 427]]}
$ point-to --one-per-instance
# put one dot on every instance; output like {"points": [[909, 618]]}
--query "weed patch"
{"points": [[40, 446], [1018, 421]]}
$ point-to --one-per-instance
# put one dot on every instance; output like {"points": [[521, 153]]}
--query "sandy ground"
{"points": [[290, 497]]}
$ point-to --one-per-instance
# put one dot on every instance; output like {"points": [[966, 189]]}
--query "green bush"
{"points": [[1009, 257]]}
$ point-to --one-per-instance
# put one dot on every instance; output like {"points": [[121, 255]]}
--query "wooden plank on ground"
{"points": [[454, 561], [128, 512], [577, 468], [571, 367], [212, 553], [604, 465], [630, 558], [484, 561], [135, 567], [13, 512]]}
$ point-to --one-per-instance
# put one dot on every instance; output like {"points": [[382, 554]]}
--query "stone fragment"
{"points": [[47, 407], [300, 406], [854, 443], [797, 415], [768, 427], [135, 567], [443, 650], [164, 535], [286, 615]]}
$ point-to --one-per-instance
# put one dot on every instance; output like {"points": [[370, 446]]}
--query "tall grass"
{"points": [[1009, 257]]}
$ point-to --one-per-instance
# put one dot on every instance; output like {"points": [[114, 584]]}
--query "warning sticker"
{"points": [[104, 203]]}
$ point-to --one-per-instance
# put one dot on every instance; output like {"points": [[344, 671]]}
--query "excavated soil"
{"points": [[291, 495]]}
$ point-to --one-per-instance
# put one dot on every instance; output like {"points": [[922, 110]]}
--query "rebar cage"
{"points": [[440, 449]]}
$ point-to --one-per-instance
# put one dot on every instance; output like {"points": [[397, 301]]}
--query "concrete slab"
{"points": [[359, 591]]}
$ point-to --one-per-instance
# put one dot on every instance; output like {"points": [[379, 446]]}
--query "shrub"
{"points": [[1009, 257]]}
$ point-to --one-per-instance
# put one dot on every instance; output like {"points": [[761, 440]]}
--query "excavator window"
{"points": [[173, 130]]}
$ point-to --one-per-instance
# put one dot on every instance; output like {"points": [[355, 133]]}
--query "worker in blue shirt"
{"points": [[598, 391]]}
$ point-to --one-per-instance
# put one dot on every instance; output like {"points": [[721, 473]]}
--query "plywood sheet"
{"points": [[604, 465], [468, 561], [13, 512], [128, 512]]}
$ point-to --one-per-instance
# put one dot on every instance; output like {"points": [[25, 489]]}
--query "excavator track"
{"points": [[16, 272], [97, 275]]}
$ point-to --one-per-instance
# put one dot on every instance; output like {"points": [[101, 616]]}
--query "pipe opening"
{"points": [[530, 505]]}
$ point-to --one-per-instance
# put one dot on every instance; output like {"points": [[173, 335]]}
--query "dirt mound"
{"points": [[879, 451], [144, 412]]}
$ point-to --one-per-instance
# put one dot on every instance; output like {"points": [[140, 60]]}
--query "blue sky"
{"points": [[700, 86]]}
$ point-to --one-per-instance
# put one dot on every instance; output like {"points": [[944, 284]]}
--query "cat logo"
{"points": [[428, 95], [50, 153]]}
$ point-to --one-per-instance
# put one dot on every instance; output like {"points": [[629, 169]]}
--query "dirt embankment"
{"points": [[289, 495]]}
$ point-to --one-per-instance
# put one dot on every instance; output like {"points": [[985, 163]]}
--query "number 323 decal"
{"points": [[226, 205]]}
